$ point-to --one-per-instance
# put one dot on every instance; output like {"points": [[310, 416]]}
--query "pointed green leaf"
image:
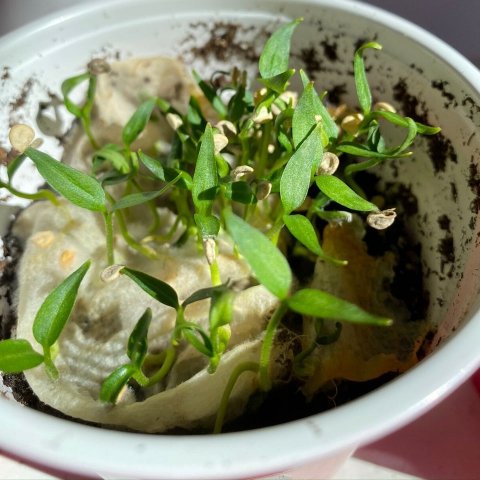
{"points": [[115, 382], [137, 342], [280, 82], [341, 193], [363, 151], [204, 293], [322, 304], [17, 355], [203, 344], [157, 289], [135, 199], [276, 52], [361, 82], [67, 87], [306, 114], [397, 119], [205, 178], [211, 95], [298, 172], [185, 181], [76, 186], [221, 309], [266, 261], [138, 121], [302, 229], [55, 311], [114, 154], [409, 138]]}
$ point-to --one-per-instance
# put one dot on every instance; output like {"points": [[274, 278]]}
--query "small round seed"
{"points": [[262, 116], [241, 171], [329, 164], [351, 123], [220, 141], [174, 120], [263, 190], [21, 136], [111, 273], [384, 107]]}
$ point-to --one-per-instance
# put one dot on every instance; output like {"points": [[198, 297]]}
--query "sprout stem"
{"points": [[267, 345], [165, 368], [40, 195], [109, 237], [222, 409], [49, 365]]}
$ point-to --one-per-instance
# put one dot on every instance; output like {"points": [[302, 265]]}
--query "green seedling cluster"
{"points": [[293, 164]]}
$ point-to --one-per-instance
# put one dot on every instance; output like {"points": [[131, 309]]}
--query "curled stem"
{"points": [[165, 368], [234, 376]]}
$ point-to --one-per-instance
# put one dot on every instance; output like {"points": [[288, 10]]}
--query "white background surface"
{"points": [[456, 21]]}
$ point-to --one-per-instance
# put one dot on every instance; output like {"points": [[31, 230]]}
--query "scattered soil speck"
{"points": [[441, 85], [223, 42], [441, 150]]}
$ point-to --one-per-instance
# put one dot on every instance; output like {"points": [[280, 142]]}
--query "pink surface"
{"points": [[444, 444]]}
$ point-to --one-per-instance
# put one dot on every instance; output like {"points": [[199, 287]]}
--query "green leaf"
{"points": [[190, 331], [17, 355], [302, 229], [276, 52], [113, 178], [221, 309], [409, 138], [138, 121], [137, 342], [280, 82], [208, 225], [240, 192], [157, 289], [298, 172], [397, 119], [14, 165], [239, 104], [115, 382], [211, 95], [55, 310], [205, 178], [141, 197], [204, 293], [266, 261], [185, 181], [341, 193], [76, 186], [359, 150], [321, 304], [67, 87], [113, 153], [194, 113], [361, 82], [304, 117]]}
